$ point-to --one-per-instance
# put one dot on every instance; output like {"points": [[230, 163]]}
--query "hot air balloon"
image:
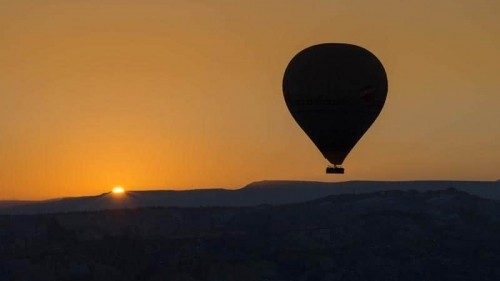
{"points": [[335, 92]]}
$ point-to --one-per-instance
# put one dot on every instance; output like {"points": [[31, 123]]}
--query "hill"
{"points": [[257, 193], [389, 235]]}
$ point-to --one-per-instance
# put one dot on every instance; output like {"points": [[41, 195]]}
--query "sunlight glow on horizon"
{"points": [[118, 190]]}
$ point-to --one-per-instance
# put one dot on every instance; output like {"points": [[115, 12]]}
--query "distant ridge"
{"points": [[11, 203], [256, 193]]}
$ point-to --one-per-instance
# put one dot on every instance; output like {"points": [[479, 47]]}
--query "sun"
{"points": [[118, 190]]}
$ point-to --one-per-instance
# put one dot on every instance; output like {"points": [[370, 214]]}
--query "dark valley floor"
{"points": [[389, 235]]}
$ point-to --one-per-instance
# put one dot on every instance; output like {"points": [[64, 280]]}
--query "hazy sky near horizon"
{"points": [[180, 94]]}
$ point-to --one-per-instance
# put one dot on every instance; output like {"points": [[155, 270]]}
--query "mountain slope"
{"points": [[258, 193], [389, 235]]}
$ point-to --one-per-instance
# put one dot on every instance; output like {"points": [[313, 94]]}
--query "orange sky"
{"points": [[183, 94]]}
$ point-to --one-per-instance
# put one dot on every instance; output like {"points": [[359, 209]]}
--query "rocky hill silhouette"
{"points": [[387, 235], [257, 193]]}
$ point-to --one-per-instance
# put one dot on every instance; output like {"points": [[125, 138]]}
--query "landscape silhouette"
{"points": [[423, 231]]}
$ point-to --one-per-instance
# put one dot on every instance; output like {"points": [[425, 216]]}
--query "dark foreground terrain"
{"points": [[390, 235]]}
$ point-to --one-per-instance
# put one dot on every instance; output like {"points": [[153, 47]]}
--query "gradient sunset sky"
{"points": [[180, 94]]}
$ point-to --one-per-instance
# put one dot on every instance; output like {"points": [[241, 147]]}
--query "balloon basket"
{"points": [[334, 170]]}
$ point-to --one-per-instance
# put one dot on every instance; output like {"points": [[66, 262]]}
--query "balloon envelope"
{"points": [[335, 92]]}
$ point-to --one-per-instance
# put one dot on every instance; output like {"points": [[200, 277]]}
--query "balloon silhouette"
{"points": [[335, 92]]}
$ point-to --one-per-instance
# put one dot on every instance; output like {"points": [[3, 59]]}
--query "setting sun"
{"points": [[118, 190]]}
